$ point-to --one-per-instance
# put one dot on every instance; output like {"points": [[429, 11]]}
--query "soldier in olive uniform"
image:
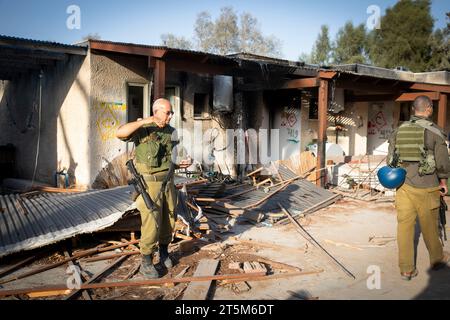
{"points": [[419, 147], [154, 139]]}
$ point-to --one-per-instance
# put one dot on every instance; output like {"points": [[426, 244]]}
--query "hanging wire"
{"points": [[41, 74]]}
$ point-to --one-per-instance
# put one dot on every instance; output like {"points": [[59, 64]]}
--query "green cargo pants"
{"points": [[157, 225], [411, 203]]}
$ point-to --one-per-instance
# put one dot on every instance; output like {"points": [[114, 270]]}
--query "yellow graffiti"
{"points": [[108, 114]]}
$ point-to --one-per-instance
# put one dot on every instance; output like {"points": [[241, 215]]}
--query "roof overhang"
{"points": [[20, 56]]}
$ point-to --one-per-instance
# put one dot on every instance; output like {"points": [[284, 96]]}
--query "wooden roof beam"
{"points": [[327, 74], [128, 49], [301, 83], [430, 87], [411, 96]]}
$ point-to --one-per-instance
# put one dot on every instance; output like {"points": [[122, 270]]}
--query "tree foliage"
{"points": [[403, 39], [228, 33], [350, 44], [439, 43], [322, 48], [172, 41]]}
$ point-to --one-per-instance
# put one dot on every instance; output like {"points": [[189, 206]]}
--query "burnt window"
{"points": [[405, 111], [200, 104], [313, 109]]}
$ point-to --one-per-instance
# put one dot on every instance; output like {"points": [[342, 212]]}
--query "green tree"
{"points": [[350, 44], [403, 39], [439, 43], [322, 48]]}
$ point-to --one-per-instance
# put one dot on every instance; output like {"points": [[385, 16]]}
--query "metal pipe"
{"points": [[311, 240]]}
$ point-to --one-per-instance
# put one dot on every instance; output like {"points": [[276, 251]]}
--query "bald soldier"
{"points": [[419, 147], [154, 140]]}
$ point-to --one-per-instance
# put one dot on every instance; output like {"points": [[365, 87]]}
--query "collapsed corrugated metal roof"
{"points": [[300, 196], [31, 222]]}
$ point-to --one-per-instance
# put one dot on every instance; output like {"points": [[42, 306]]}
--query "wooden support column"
{"points": [[160, 78], [321, 143], [442, 110]]}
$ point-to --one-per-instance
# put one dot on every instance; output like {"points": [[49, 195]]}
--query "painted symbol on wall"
{"points": [[292, 120], [108, 119], [377, 124], [289, 119]]}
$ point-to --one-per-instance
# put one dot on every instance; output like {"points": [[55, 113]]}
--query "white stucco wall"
{"points": [[51, 94], [380, 126], [73, 128], [109, 77]]}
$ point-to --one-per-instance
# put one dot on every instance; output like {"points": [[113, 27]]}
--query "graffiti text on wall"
{"points": [[108, 115]]}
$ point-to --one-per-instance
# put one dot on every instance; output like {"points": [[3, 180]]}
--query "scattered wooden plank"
{"points": [[133, 270], [43, 294], [199, 290], [264, 182], [256, 171], [85, 293], [182, 272], [178, 276], [182, 236], [254, 267], [161, 281], [203, 226], [76, 256], [17, 266], [96, 276], [110, 256]]}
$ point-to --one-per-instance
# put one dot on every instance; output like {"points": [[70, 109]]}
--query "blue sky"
{"points": [[295, 22]]}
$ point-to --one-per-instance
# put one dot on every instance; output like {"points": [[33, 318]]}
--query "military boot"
{"points": [[164, 256], [147, 268]]}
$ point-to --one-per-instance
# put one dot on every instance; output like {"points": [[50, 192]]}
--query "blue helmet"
{"points": [[391, 178]]}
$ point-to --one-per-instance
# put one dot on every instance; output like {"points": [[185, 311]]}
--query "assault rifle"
{"points": [[139, 184]]}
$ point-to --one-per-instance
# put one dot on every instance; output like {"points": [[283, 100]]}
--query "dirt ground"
{"points": [[359, 235]]}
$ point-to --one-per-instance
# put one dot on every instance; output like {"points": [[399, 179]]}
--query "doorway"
{"points": [[137, 101]]}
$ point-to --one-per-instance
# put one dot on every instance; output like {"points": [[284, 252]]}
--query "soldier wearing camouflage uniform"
{"points": [[419, 147], [154, 140]]}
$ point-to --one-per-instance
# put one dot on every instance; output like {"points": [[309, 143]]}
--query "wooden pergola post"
{"points": [[321, 143], [442, 110], [160, 78]]}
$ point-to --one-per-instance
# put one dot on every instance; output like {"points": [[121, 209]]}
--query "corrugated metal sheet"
{"points": [[28, 223], [299, 196], [11, 39]]}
